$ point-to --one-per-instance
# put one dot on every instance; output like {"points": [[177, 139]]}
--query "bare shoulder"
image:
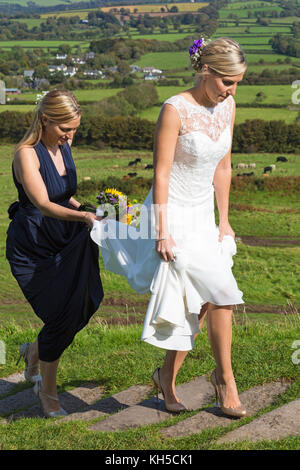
{"points": [[169, 114], [25, 154], [25, 159]]}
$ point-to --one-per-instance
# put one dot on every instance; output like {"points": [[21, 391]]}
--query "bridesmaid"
{"points": [[49, 248]]}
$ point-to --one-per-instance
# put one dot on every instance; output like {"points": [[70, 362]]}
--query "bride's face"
{"points": [[219, 87]]}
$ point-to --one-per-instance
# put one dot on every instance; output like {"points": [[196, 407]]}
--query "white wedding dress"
{"points": [[201, 271]]}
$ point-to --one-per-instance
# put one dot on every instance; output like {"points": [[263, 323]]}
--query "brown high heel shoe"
{"points": [[173, 407], [237, 412]]}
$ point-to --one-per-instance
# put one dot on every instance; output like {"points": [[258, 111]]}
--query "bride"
{"points": [[179, 254]]}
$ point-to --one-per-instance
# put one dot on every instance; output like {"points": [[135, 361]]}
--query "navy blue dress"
{"points": [[54, 261]]}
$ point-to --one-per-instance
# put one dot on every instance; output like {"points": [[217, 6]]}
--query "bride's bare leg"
{"points": [[172, 363], [219, 328]]}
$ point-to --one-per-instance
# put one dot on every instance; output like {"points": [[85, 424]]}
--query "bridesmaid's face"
{"points": [[219, 87], [60, 133]]}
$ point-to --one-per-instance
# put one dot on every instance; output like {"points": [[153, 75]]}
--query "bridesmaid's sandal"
{"points": [[24, 352], [48, 414]]}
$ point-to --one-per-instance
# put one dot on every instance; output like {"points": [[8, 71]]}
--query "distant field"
{"points": [[173, 60], [41, 44], [84, 95], [165, 60], [41, 3], [152, 8], [242, 114], [243, 12]]}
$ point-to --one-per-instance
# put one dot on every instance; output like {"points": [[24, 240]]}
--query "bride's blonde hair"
{"points": [[223, 56], [58, 106]]}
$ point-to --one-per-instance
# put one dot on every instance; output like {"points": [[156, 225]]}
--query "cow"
{"points": [[268, 168], [281, 159]]}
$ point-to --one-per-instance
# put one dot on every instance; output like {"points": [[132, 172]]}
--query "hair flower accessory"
{"points": [[195, 51]]}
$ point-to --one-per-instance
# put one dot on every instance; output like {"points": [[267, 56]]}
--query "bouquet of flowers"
{"points": [[124, 211]]}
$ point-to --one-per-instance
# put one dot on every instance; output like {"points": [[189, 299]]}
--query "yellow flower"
{"points": [[114, 192]]}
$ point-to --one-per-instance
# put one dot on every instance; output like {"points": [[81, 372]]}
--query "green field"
{"points": [[47, 44], [242, 114]]}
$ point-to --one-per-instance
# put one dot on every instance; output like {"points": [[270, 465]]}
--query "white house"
{"points": [[78, 60], [61, 56], [90, 55], [93, 73], [71, 71], [57, 68], [151, 70], [28, 74], [150, 76]]}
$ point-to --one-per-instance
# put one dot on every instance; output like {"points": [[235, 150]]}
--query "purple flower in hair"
{"points": [[198, 43], [193, 49]]}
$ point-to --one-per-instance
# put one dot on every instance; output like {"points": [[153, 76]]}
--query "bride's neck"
{"points": [[200, 95]]}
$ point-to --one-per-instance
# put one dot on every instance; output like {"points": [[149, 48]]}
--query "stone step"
{"points": [[193, 395], [20, 400], [8, 383], [71, 401], [279, 423], [116, 402], [253, 399]]}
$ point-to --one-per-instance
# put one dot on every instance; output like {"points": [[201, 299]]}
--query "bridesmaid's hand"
{"points": [[225, 229], [89, 218], [164, 249]]}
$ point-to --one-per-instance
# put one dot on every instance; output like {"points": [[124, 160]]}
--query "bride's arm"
{"points": [[166, 134], [222, 182]]}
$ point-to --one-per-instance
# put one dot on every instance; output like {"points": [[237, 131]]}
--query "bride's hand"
{"points": [[225, 229], [164, 248]]}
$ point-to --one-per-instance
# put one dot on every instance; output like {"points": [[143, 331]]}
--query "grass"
{"points": [[267, 275], [262, 347], [150, 8], [242, 114]]}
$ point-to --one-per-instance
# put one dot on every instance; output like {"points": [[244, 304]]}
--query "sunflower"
{"points": [[114, 192]]}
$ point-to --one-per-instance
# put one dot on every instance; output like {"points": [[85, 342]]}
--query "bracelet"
{"points": [[160, 239]]}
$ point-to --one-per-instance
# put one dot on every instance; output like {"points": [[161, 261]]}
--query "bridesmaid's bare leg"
{"points": [[172, 363], [219, 327], [48, 373], [33, 358]]}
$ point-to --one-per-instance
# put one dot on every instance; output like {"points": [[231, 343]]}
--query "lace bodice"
{"points": [[204, 139]]}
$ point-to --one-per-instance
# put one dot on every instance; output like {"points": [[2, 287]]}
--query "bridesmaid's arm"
{"points": [[26, 167], [74, 204], [222, 182]]}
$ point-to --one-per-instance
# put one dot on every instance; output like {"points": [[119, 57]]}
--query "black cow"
{"points": [[281, 159], [268, 168], [132, 174], [148, 167]]}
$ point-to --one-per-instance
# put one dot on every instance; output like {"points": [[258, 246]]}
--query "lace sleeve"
{"points": [[177, 103]]}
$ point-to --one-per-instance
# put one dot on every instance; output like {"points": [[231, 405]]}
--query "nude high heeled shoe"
{"points": [[237, 412], [23, 352], [173, 407]]}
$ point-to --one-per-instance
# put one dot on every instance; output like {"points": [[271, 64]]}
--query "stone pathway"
{"points": [[254, 399], [131, 409], [281, 422], [193, 395]]}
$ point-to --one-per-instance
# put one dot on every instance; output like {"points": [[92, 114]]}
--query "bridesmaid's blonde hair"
{"points": [[58, 106], [223, 56]]}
